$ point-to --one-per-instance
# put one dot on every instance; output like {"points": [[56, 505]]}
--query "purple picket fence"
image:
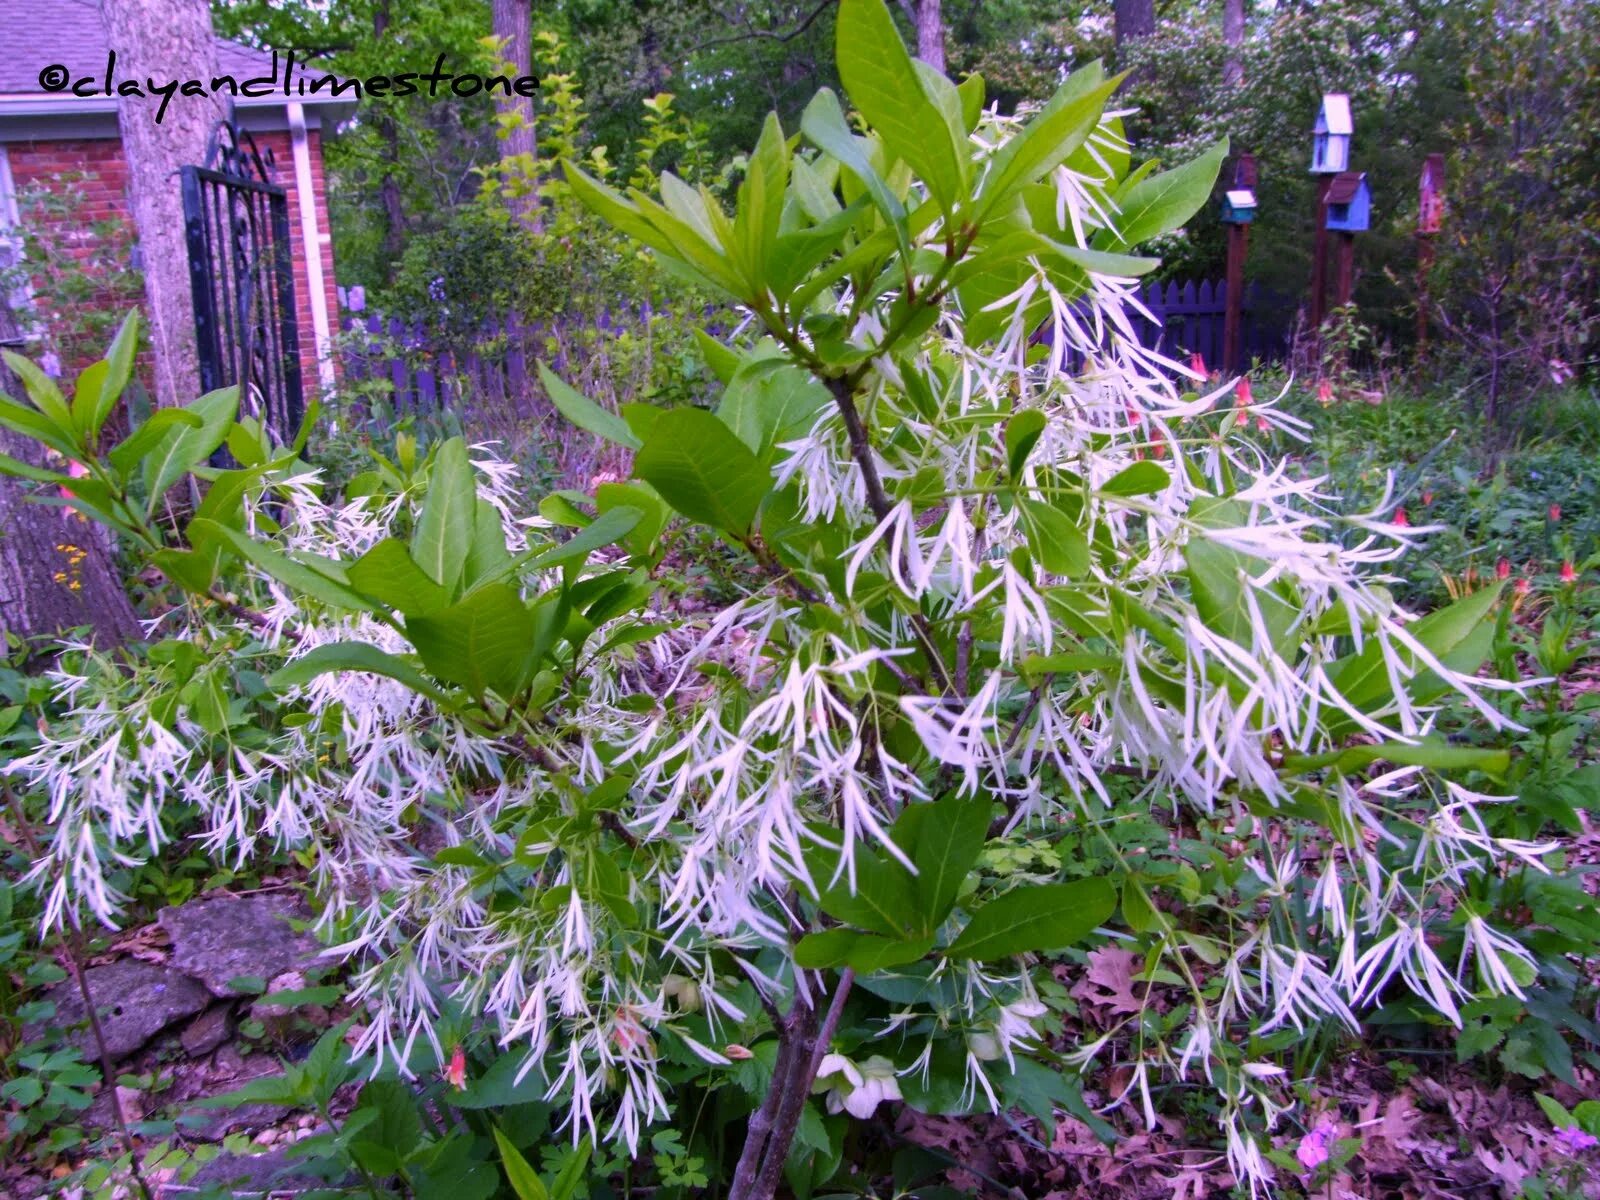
{"points": [[498, 368]]}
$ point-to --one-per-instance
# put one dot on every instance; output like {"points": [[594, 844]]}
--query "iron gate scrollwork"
{"points": [[242, 275]]}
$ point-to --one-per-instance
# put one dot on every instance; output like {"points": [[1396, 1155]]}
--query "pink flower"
{"points": [[1325, 392], [1427, 498], [1400, 518], [1555, 512], [1502, 569], [1197, 364], [77, 470], [1263, 424], [1567, 573], [1524, 586], [1242, 394], [456, 1073], [1316, 1146], [1572, 1140]]}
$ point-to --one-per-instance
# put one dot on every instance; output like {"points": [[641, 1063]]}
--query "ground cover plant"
{"points": [[1012, 679]]}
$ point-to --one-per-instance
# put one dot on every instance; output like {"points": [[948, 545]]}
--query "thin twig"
{"points": [[69, 943]]}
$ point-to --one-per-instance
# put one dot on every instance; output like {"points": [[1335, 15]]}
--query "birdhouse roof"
{"points": [[1242, 198], [1346, 186], [1335, 115]]}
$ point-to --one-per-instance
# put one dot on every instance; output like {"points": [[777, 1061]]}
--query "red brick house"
{"points": [[50, 137]]}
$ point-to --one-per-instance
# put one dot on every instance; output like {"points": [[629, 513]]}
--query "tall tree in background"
{"points": [[1233, 39], [929, 22], [513, 30], [152, 39], [1134, 19]]}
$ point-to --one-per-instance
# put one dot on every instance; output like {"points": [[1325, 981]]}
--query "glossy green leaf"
{"points": [[769, 402], [864, 952], [1161, 203], [483, 642], [824, 125], [388, 574], [125, 455], [918, 120], [1137, 479], [1049, 916], [293, 574], [1022, 434], [1059, 128], [1055, 539], [584, 412], [186, 446], [523, 1178], [443, 535], [703, 470]]}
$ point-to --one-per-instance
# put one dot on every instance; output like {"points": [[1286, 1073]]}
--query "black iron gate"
{"points": [[242, 276]]}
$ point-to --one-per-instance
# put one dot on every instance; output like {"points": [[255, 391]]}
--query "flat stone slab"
{"points": [[272, 1174], [220, 939], [136, 1000]]}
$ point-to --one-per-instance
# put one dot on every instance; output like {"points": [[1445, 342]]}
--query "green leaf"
{"points": [[523, 1178], [1055, 539], [602, 531], [584, 412], [864, 952], [388, 574], [883, 899], [1049, 916], [352, 656], [1458, 635], [483, 642], [566, 1183], [943, 839], [40, 428], [1436, 755], [42, 390], [824, 124], [119, 369], [1136, 908], [293, 574], [1063, 125], [1022, 434], [443, 535], [1138, 479], [768, 402], [1218, 579], [125, 455], [703, 470], [188, 446], [919, 121], [1160, 203], [487, 557]]}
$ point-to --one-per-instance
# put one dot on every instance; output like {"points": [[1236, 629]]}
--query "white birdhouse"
{"points": [[1330, 153]]}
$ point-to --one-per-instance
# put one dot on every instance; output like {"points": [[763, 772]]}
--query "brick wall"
{"points": [[101, 174]]}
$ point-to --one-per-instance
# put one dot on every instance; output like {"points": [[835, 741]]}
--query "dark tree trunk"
{"points": [[154, 39], [394, 216], [1134, 19], [1233, 39], [512, 22], [55, 568]]}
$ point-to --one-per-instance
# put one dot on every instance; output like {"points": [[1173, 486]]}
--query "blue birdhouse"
{"points": [[1330, 136], [1238, 206], [1349, 203]]}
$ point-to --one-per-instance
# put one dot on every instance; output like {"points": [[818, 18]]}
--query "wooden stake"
{"points": [[1319, 258], [1232, 321]]}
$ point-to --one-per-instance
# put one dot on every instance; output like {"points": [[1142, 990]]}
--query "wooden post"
{"points": [[1244, 178], [1344, 284], [1424, 270], [1232, 321], [1319, 258]]}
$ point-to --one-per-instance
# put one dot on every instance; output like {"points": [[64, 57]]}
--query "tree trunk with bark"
{"points": [[512, 22], [160, 39], [56, 570], [394, 216], [1133, 19], [1233, 39], [930, 34]]}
